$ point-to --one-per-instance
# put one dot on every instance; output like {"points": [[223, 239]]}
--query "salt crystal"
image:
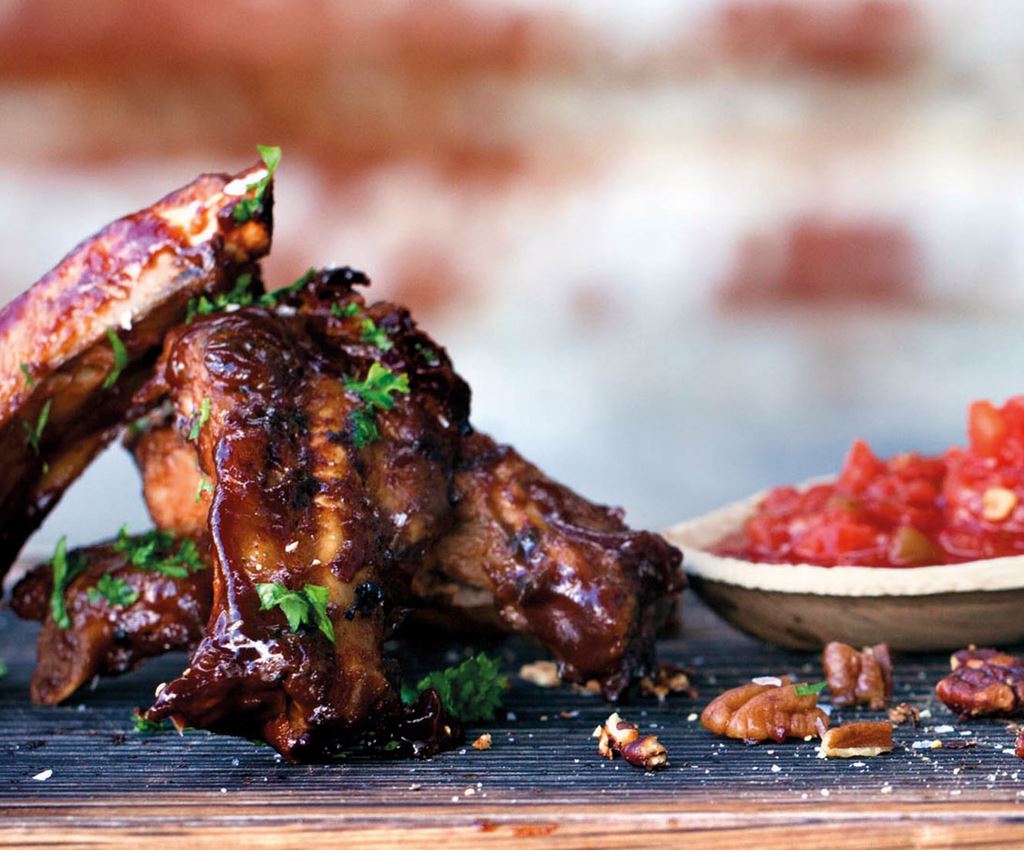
{"points": [[43, 775]]}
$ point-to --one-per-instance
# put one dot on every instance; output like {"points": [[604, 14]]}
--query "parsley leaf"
{"points": [[33, 433], [30, 379], [375, 391], [201, 420], [240, 295], [301, 607], [269, 299], [154, 552], [144, 726], [115, 590], [376, 335], [805, 689], [65, 568], [3, 668], [345, 312], [120, 359], [248, 207], [472, 691]]}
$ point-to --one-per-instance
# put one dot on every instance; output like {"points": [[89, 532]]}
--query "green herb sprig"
{"points": [[470, 692], [349, 310], [200, 420], [270, 299], [301, 607], [239, 295], [246, 208], [120, 358], [805, 689], [376, 391], [34, 433], [66, 568], [154, 552], [116, 591], [376, 335]]}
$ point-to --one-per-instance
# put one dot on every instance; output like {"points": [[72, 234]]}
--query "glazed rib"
{"points": [[62, 396], [559, 568], [297, 500], [104, 638]]}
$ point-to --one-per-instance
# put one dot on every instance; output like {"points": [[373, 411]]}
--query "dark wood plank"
{"points": [[540, 784]]}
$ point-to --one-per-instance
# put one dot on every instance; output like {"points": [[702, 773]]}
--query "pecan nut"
{"points": [[620, 736], [983, 682], [857, 740], [758, 712], [974, 657], [858, 678]]}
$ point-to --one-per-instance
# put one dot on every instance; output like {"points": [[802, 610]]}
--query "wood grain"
{"points": [[540, 785]]}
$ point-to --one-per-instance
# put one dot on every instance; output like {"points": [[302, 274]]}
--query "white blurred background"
{"points": [[681, 250]]}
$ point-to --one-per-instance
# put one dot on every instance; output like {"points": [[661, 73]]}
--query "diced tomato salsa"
{"points": [[908, 511]]}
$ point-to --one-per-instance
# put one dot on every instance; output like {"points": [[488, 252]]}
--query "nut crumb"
{"points": [[903, 713], [543, 674], [668, 679], [620, 736], [483, 742]]}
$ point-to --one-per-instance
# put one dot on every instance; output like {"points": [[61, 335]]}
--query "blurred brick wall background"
{"points": [[682, 250]]}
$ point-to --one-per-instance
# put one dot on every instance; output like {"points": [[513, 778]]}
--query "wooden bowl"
{"points": [[801, 606]]}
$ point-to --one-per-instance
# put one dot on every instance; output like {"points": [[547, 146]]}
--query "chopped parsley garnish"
{"points": [[805, 689], [30, 379], [3, 668], [248, 207], [200, 420], [239, 295], [66, 568], [205, 486], [301, 607], [470, 692], [154, 552], [269, 299], [120, 358], [34, 433], [345, 312], [144, 726], [428, 353], [115, 590], [376, 392], [376, 335]]}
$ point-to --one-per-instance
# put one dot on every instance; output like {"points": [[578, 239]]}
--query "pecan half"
{"points": [[857, 740], [760, 712], [974, 657], [620, 736], [858, 678], [983, 682]]}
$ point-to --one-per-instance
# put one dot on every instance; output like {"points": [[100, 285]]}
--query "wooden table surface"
{"points": [[540, 785]]}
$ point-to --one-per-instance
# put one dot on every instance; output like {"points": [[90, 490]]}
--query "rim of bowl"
{"points": [[693, 536]]}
